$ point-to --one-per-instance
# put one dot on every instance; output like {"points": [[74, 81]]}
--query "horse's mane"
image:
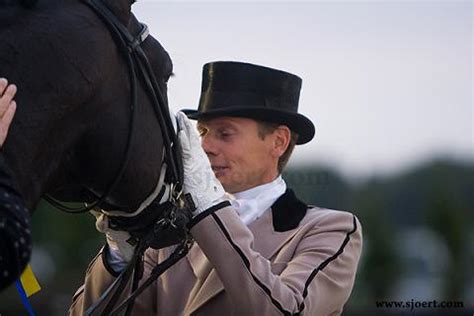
{"points": [[24, 3]]}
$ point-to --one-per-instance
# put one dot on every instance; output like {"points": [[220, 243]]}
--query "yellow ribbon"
{"points": [[29, 282]]}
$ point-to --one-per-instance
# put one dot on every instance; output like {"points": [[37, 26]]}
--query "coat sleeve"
{"points": [[100, 276], [15, 230], [316, 280]]}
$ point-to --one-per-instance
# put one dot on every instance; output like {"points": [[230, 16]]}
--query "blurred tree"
{"points": [[447, 217], [71, 239], [320, 186], [380, 266]]}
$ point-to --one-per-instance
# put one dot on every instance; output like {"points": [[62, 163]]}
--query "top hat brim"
{"points": [[295, 121]]}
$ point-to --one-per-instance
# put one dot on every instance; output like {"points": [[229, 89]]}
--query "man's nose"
{"points": [[208, 145]]}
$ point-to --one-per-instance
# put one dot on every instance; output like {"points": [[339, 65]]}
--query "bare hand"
{"points": [[7, 107]]}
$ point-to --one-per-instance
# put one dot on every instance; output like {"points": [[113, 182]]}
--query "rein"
{"points": [[176, 210]]}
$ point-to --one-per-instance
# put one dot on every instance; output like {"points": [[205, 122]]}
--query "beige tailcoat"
{"points": [[292, 260]]}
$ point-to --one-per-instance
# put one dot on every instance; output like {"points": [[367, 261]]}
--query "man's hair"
{"points": [[266, 128]]}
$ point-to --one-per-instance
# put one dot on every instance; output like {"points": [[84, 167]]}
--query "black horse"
{"points": [[77, 121], [72, 122]]}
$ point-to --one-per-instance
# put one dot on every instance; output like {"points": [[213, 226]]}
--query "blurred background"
{"points": [[388, 85]]}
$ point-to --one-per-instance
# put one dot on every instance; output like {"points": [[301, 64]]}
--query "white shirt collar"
{"points": [[252, 203]]}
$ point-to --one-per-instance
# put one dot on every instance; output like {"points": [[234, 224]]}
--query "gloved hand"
{"points": [[199, 179], [116, 239]]}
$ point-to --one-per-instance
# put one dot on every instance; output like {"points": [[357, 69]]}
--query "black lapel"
{"points": [[288, 211]]}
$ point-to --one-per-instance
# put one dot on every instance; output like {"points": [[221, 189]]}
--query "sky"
{"points": [[388, 84]]}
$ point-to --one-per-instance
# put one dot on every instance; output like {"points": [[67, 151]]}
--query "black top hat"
{"points": [[251, 91]]}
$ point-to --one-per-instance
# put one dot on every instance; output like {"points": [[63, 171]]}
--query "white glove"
{"points": [[116, 239], [199, 179]]}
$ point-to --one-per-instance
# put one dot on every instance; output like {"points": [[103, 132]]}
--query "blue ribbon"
{"points": [[24, 298]]}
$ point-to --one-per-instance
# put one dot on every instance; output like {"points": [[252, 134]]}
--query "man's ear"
{"points": [[282, 137]]}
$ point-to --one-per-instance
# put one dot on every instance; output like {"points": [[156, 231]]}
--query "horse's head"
{"points": [[70, 133]]}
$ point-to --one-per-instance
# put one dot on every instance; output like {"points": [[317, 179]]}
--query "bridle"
{"points": [[176, 211], [131, 50]]}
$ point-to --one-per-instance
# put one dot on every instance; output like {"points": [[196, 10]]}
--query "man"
{"points": [[267, 254]]}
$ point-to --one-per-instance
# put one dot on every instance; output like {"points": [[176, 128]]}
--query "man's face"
{"points": [[240, 158]]}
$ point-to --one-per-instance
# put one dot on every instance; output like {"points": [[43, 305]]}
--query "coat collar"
{"points": [[271, 232], [288, 211]]}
